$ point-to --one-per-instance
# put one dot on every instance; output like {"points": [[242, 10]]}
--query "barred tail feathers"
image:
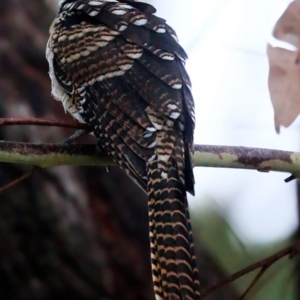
{"points": [[174, 267]]}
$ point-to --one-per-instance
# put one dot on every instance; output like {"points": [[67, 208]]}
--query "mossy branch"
{"points": [[50, 155]]}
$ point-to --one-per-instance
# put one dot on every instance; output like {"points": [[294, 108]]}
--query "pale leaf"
{"points": [[284, 73], [284, 85]]}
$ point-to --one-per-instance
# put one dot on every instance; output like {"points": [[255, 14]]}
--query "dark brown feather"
{"points": [[120, 69]]}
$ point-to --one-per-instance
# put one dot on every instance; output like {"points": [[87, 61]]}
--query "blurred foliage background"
{"points": [[279, 282]]}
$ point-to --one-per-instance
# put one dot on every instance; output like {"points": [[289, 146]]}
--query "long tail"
{"points": [[174, 269]]}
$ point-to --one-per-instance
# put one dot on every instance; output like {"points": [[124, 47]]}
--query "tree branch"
{"points": [[262, 160], [42, 122], [264, 264], [13, 183], [49, 155]]}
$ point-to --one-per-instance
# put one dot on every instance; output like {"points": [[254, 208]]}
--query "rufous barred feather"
{"points": [[118, 68]]}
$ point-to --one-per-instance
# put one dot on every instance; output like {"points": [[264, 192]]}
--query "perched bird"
{"points": [[118, 68]]}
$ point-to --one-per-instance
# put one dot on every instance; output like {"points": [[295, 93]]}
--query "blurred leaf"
{"points": [[284, 73], [284, 85], [287, 28]]}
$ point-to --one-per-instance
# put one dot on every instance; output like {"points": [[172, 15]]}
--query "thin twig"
{"points": [[254, 282], [42, 122], [265, 263], [18, 180]]}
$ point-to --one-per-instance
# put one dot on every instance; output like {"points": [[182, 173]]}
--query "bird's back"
{"points": [[120, 69]]}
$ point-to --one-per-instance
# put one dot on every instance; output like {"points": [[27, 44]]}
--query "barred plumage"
{"points": [[119, 68]]}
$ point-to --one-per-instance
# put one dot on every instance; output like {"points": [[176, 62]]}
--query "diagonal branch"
{"points": [[264, 264]]}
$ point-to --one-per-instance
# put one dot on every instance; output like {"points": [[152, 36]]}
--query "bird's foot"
{"points": [[75, 136]]}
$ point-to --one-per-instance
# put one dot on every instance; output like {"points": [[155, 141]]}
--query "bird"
{"points": [[120, 69]]}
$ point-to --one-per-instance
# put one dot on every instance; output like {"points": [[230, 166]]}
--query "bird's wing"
{"points": [[122, 68]]}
